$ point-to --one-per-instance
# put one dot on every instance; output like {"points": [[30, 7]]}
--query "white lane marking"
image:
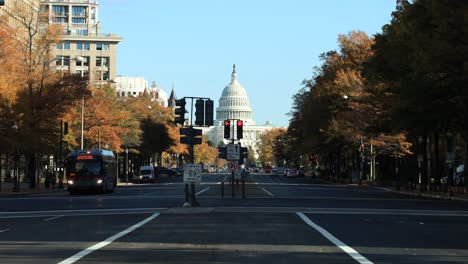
{"points": [[52, 218], [383, 189], [106, 242], [347, 249], [267, 192], [82, 210], [202, 191], [4, 230]]}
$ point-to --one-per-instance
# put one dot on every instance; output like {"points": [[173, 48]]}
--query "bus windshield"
{"points": [[85, 167]]}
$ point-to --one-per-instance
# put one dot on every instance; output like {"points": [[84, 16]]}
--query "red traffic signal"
{"points": [[227, 129], [240, 129]]}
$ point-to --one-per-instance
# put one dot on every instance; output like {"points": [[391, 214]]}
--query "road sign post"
{"points": [[192, 174]]}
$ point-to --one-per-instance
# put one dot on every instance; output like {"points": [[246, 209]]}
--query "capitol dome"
{"points": [[234, 102]]}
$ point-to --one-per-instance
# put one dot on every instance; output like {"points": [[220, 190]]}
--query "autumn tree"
{"points": [[144, 108], [38, 95], [335, 110], [106, 121], [204, 153], [269, 142], [420, 63]]}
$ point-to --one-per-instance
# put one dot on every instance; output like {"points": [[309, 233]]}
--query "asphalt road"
{"points": [[280, 221]]}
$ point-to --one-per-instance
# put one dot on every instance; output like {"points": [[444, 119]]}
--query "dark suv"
{"points": [[164, 171]]}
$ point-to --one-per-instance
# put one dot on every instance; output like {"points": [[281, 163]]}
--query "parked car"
{"points": [[291, 173], [301, 172], [180, 171]]}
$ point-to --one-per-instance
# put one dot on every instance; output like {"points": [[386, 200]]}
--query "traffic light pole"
{"points": [[204, 117]]}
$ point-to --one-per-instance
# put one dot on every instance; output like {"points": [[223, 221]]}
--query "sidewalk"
{"points": [[7, 189], [431, 194]]}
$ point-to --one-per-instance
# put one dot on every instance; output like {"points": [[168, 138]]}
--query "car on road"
{"points": [[159, 171], [146, 174]]}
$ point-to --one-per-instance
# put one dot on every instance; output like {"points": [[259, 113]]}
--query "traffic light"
{"points": [[199, 112], [65, 128], [209, 112], [180, 111], [244, 153], [227, 129], [222, 152], [240, 129]]}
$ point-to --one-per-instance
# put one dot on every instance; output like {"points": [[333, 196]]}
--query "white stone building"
{"points": [[234, 104], [136, 86]]}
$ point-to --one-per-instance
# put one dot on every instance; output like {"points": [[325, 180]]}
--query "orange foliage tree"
{"points": [[37, 96]]}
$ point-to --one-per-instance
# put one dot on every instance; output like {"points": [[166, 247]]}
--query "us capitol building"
{"points": [[235, 104]]}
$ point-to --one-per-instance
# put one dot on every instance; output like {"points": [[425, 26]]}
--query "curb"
{"points": [[26, 193], [425, 195]]}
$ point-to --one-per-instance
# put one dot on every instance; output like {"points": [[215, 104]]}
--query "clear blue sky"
{"points": [[275, 44]]}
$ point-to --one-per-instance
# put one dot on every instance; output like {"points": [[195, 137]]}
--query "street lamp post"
{"points": [[16, 184], [397, 164], [420, 162], [450, 158], [126, 164]]}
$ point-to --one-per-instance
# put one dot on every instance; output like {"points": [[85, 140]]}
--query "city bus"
{"points": [[91, 170]]}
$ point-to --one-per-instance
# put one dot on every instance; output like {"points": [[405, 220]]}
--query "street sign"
{"points": [[192, 173], [233, 165], [233, 151]]}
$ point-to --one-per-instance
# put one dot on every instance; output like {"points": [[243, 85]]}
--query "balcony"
{"points": [[71, 1], [81, 14], [60, 14]]}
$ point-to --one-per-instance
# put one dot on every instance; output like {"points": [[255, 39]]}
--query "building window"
{"points": [[62, 61], [77, 20], [102, 46], [59, 20], [82, 46], [79, 11], [84, 62], [60, 10], [82, 32], [105, 76], [63, 46], [102, 61]]}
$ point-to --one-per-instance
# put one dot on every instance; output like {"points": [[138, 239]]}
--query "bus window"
{"points": [[85, 167]]}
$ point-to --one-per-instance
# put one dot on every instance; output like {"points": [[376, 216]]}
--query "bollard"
{"points": [[232, 184], [195, 203], [186, 193], [243, 188], [222, 189]]}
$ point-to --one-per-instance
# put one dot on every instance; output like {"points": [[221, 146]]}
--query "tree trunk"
{"points": [[424, 182], [437, 166], [31, 163], [465, 163], [428, 162]]}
